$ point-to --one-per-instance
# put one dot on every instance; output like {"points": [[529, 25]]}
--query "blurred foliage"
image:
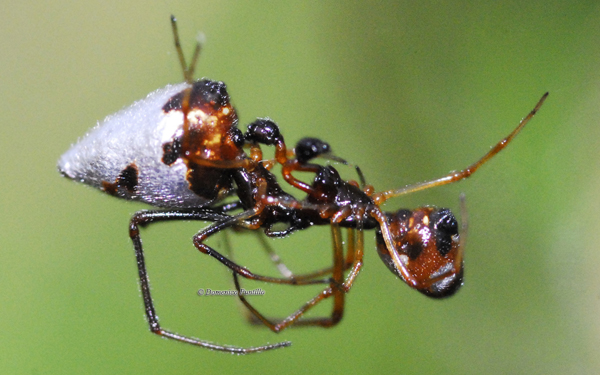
{"points": [[407, 90]]}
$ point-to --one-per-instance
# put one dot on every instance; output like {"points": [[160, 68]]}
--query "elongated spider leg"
{"points": [[381, 197], [384, 227], [357, 261], [275, 259], [236, 221], [334, 290], [358, 248], [350, 255], [327, 271], [354, 253], [188, 70], [143, 218], [348, 263], [285, 271], [268, 249]]}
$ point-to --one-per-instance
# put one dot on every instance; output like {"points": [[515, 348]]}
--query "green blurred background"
{"points": [[409, 90]]}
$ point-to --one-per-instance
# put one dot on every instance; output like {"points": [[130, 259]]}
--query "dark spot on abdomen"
{"points": [[126, 180], [171, 151]]}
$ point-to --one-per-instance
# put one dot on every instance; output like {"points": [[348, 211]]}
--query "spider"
{"points": [[180, 149]]}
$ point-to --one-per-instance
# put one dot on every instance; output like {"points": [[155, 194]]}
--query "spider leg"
{"points": [[337, 289], [239, 221], [144, 218], [381, 197], [285, 271]]}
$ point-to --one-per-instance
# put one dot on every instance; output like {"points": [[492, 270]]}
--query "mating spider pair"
{"points": [[180, 149]]}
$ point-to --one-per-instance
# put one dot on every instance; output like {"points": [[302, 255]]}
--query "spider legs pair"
{"points": [[144, 218], [338, 285], [221, 221]]}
